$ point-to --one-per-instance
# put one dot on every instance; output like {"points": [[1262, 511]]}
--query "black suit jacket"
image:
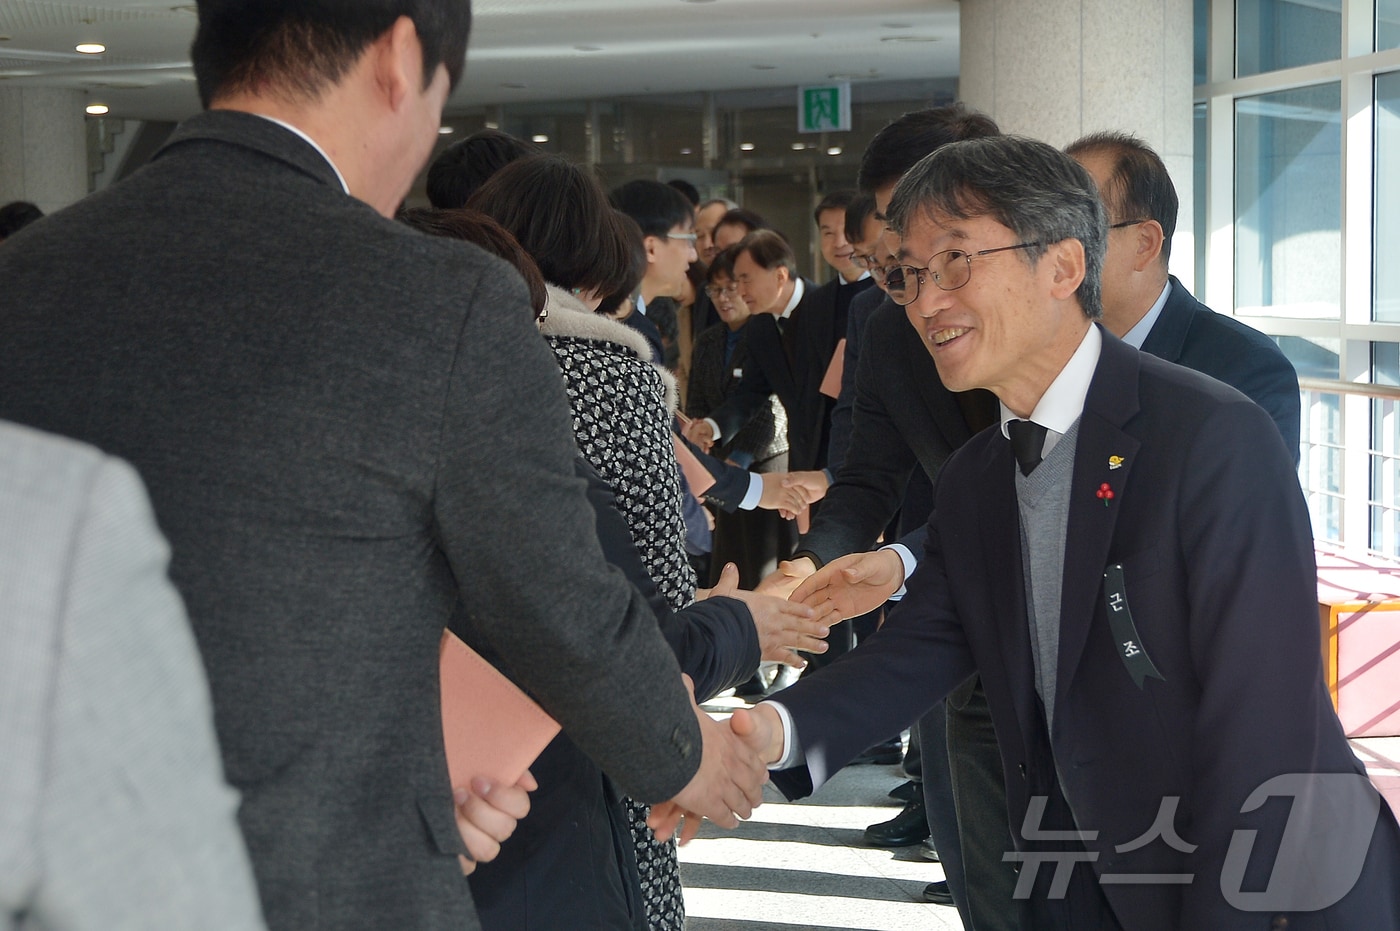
{"points": [[1213, 536], [798, 386], [1191, 334], [336, 416]]}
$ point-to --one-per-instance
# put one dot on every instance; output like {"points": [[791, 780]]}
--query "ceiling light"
{"points": [[898, 25], [445, 130], [834, 150], [588, 48], [539, 137], [687, 151], [746, 147], [90, 48], [799, 146], [96, 109], [492, 125], [909, 38]]}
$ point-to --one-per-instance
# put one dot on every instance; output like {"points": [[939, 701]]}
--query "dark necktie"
{"points": [[1027, 442]]}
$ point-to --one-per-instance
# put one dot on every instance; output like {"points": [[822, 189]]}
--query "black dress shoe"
{"points": [[908, 827], [907, 791], [938, 893], [882, 754]]}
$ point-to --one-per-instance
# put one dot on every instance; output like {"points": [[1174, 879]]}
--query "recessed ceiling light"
{"points": [[588, 48], [687, 151], [909, 38], [834, 150], [746, 147], [764, 67], [539, 137], [492, 125], [96, 109], [445, 130], [799, 146], [90, 48]]}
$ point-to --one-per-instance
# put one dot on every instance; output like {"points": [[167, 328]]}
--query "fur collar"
{"points": [[566, 316]]}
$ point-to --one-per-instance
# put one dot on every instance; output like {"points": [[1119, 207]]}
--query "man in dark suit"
{"points": [[335, 415], [1147, 308], [1131, 575]]}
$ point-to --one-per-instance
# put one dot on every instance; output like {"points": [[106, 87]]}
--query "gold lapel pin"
{"points": [[1115, 462]]}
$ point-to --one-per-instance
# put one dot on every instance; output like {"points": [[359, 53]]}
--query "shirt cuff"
{"points": [[792, 748], [715, 427], [906, 556], [754, 494]]}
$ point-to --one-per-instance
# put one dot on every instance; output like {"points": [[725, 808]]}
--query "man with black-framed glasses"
{"points": [[1146, 307]]}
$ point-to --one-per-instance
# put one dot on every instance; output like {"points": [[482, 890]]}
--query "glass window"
{"points": [[1200, 32], [1321, 441], [1387, 24], [1275, 34], [1385, 452], [1199, 160], [1288, 203], [1387, 199]]}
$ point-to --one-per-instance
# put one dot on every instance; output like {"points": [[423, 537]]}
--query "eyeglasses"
{"points": [[717, 291], [949, 270], [1122, 223], [687, 237]]}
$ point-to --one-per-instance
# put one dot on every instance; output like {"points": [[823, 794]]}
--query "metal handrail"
{"points": [[1326, 386]]}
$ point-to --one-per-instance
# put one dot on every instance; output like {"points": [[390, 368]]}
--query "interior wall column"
{"points": [[43, 146], [1058, 69]]}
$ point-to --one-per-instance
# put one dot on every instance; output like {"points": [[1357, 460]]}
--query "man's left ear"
{"points": [[398, 61], [1067, 258]]}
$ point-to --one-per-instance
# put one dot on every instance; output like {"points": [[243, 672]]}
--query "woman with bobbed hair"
{"points": [[622, 405]]}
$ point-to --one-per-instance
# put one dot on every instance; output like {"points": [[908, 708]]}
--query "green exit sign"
{"points": [[824, 108]]}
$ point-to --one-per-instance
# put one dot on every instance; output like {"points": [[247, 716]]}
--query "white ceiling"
{"points": [[521, 50]]}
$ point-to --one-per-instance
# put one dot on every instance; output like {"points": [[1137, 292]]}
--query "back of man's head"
{"points": [[295, 49], [464, 166], [16, 215], [1038, 192], [657, 208], [896, 148], [1139, 187], [857, 212]]}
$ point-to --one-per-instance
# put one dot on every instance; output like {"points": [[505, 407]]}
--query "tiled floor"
{"points": [[803, 866]]}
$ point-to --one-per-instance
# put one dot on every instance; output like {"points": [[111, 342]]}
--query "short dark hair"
{"points": [[299, 47], [656, 207], [769, 250], [630, 236], [477, 228], [738, 216], [723, 263], [688, 190], [464, 166], [1139, 187], [1032, 188], [901, 143], [558, 212], [836, 200], [860, 209], [16, 215]]}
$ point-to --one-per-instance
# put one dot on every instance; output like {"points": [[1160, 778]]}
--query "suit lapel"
{"points": [[1104, 455], [999, 526]]}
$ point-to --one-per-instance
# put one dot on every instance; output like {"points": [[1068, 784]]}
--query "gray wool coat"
{"points": [[336, 417]]}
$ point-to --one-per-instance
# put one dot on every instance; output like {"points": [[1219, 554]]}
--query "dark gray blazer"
{"points": [[336, 416]]}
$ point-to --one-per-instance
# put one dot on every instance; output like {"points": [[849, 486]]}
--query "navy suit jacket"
{"points": [[1191, 334], [1210, 527]]}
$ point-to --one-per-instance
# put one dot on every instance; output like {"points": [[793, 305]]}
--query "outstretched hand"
{"points": [[727, 787], [855, 584], [783, 581], [784, 627]]}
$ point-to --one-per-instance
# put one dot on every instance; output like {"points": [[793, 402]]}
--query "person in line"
{"points": [[335, 430], [1116, 559]]}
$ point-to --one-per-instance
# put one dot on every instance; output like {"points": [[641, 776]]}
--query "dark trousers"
{"points": [[979, 794]]}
